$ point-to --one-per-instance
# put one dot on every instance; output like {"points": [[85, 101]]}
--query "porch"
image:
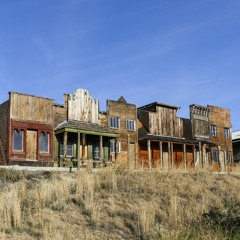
{"points": [[80, 144]]}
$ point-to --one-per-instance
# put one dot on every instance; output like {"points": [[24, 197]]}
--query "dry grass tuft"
{"points": [[119, 204]]}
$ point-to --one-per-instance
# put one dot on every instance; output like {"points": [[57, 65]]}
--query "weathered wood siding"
{"points": [[31, 108], [200, 122], [82, 107], [165, 122], [60, 115], [3, 132]]}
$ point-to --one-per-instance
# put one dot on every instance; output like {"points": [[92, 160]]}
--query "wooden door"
{"points": [[31, 147]]}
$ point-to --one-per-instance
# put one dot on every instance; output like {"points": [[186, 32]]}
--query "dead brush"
{"points": [[146, 218]]}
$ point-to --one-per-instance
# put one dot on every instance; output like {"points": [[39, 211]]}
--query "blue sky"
{"points": [[171, 51]]}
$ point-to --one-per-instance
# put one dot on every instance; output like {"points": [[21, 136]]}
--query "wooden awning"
{"points": [[84, 127]]}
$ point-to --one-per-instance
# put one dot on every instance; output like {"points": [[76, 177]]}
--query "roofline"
{"points": [[30, 95], [160, 105]]}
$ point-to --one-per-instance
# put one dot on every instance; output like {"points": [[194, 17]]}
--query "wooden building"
{"points": [[36, 131], [220, 132], [167, 141], [81, 137], [26, 130]]}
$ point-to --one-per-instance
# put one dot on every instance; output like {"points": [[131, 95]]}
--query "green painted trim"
{"points": [[86, 132]]}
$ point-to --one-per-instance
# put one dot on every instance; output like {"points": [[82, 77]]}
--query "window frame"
{"points": [[45, 134], [215, 156], [213, 130], [115, 147], [227, 133], [69, 148], [96, 151], [114, 122], [130, 123], [22, 140]]}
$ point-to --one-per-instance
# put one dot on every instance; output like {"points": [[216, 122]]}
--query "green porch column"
{"points": [[78, 150]]}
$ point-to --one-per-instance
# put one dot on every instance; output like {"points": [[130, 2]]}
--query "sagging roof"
{"points": [[85, 127], [154, 104], [174, 139]]}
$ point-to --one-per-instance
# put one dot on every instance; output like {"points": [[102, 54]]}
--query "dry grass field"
{"points": [[119, 204]]}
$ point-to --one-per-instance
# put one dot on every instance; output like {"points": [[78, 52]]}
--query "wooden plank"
{"points": [[149, 154], [78, 150], [31, 145]]}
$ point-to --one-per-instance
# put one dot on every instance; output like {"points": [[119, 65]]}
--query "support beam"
{"points": [[101, 147], [200, 155], [149, 154], [184, 157], [169, 155], [65, 138], [194, 156], [161, 155], [128, 151], [219, 159], [78, 150], [172, 155], [83, 145]]}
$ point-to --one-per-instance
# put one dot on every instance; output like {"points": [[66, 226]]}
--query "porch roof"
{"points": [[154, 137], [84, 127]]}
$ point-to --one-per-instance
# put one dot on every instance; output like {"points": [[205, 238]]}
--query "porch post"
{"points": [[204, 156], [200, 154], [194, 156], [128, 151], [65, 146], [101, 147], [78, 150], [83, 145], [184, 157], [161, 155], [169, 155], [149, 154], [219, 159]]}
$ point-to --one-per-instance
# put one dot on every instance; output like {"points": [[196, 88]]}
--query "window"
{"points": [[215, 156], [114, 122], [18, 140], [114, 145], [69, 149], [44, 142], [130, 125], [226, 132], [213, 131], [96, 151]]}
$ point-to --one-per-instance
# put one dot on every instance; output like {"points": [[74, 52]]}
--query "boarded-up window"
{"points": [[130, 125], [44, 142], [18, 140]]}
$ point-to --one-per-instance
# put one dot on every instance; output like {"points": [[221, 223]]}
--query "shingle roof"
{"points": [[83, 126]]}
